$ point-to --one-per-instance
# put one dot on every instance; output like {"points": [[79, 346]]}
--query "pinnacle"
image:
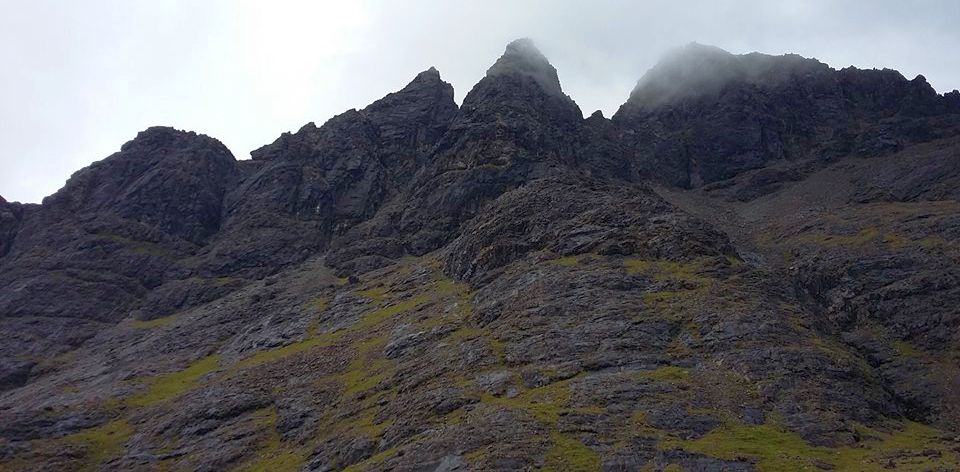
{"points": [[522, 57]]}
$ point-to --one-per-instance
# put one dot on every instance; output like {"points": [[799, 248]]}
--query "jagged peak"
{"points": [[701, 70], [426, 91], [419, 112], [429, 76], [170, 136], [522, 57], [158, 131], [427, 83]]}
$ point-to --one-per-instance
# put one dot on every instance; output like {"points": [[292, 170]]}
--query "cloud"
{"points": [[80, 78]]}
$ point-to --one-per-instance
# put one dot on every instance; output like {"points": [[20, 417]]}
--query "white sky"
{"points": [[80, 78]]}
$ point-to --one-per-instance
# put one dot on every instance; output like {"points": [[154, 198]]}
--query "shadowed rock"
{"points": [[312, 186], [500, 286], [704, 115], [523, 58]]}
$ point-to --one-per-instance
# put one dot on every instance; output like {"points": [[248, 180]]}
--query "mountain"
{"points": [[753, 265]]}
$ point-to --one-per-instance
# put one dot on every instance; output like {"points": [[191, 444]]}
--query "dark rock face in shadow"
{"points": [[704, 115], [752, 265]]}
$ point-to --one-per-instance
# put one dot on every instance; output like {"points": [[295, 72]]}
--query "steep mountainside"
{"points": [[754, 265]]}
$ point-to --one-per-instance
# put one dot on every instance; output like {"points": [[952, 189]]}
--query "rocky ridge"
{"points": [[751, 266]]}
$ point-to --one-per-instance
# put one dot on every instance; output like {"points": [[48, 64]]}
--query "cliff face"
{"points": [[751, 266], [704, 115]]}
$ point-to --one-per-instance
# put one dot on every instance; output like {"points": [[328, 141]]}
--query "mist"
{"points": [[83, 78], [702, 70]]}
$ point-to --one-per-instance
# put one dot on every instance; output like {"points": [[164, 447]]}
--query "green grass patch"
{"points": [[546, 403], [465, 333], [905, 349], [168, 386], [361, 421], [360, 380], [368, 426], [379, 316], [789, 307], [371, 462], [734, 262], [273, 456], [663, 296], [568, 261], [154, 323], [499, 349], [146, 248], [446, 286], [367, 369], [776, 449], [366, 323], [914, 448], [376, 294], [276, 460], [271, 355], [873, 236], [464, 296], [860, 238], [837, 352], [664, 270], [569, 455], [671, 374], [636, 266], [320, 304], [102, 443]]}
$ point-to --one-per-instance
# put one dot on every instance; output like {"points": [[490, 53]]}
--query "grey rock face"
{"points": [[752, 266], [93, 250], [570, 217], [704, 115], [523, 58], [698, 71], [308, 188], [508, 131], [167, 179], [11, 214]]}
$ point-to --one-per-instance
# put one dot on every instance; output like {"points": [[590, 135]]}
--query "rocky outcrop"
{"points": [[522, 58], [704, 115], [11, 215], [310, 187], [751, 266], [569, 216], [514, 126], [167, 179], [88, 255]]}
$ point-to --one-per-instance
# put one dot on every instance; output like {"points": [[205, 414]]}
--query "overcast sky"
{"points": [[80, 78]]}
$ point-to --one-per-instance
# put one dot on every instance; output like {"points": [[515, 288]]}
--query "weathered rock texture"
{"points": [[752, 266], [704, 115]]}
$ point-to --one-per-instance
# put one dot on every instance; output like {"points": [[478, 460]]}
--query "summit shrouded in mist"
{"points": [[698, 70], [523, 57], [757, 252]]}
